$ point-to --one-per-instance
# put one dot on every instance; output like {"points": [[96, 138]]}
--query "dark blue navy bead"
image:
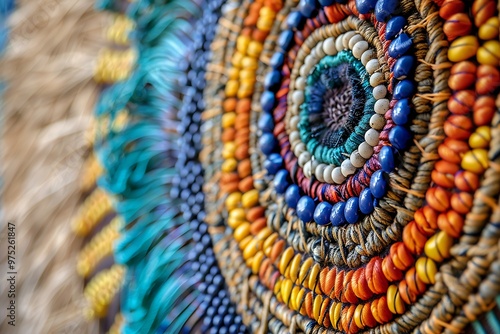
{"points": [[394, 26], [384, 9], [307, 7], [273, 163], [351, 210], [322, 213], [281, 181], [305, 208], [337, 217], [267, 101], [326, 2], [285, 39], [277, 60], [266, 122], [292, 196], [294, 20], [400, 46], [267, 142], [400, 137], [366, 201], [272, 80], [403, 67], [379, 183], [365, 6], [386, 158], [404, 89], [401, 112]]}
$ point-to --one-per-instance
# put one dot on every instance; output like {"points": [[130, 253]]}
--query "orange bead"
{"points": [[482, 10], [483, 115], [466, 181], [413, 238], [412, 286], [452, 150], [458, 127], [462, 75], [457, 25], [426, 218], [390, 271], [451, 7], [443, 173], [277, 250], [360, 285], [255, 213], [380, 310], [488, 79], [401, 256], [461, 202], [438, 199], [462, 102], [229, 104], [451, 222], [377, 282]]}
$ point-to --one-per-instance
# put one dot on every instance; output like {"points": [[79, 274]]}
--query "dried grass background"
{"points": [[47, 106]]}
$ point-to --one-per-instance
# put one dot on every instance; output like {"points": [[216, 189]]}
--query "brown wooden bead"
{"points": [[451, 7], [462, 102], [457, 25], [466, 181], [462, 75], [458, 127], [461, 202]]}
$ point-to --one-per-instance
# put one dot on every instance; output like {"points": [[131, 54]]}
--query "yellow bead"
{"points": [[481, 138], [229, 165], [394, 300], [313, 277], [295, 267], [244, 243], [237, 58], [228, 150], [489, 30], [234, 223], [268, 244], [426, 270], [257, 260], [242, 231], [237, 213], [254, 49], [318, 300], [251, 249], [264, 233], [334, 314], [286, 290], [358, 316], [234, 73], [250, 198], [231, 88], [267, 12], [438, 246], [489, 53], [463, 48], [228, 120], [265, 23], [299, 300], [249, 63], [277, 288], [286, 257], [293, 298], [242, 43], [233, 200], [247, 74], [304, 269], [475, 161]]}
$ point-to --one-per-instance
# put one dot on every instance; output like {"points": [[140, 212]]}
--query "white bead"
{"points": [[299, 149], [298, 97], [319, 50], [379, 92], [372, 66], [295, 109], [377, 121], [337, 175], [310, 61], [329, 46], [381, 106], [327, 174], [376, 79], [294, 136], [338, 43], [307, 169], [371, 137], [359, 48], [347, 168], [357, 160], [304, 157], [354, 39], [347, 37], [300, 83], [294, 122], [365, 150], [367, 56], [319, 172], [303, 71]]}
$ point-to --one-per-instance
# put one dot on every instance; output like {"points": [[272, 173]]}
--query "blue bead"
{"points": [[267, 101], [281, 181], [267, 142], [400, 137], [292, 196], [384, 9], [305, 208], [266, 123], [307, 7], [285, 39], [272, 80], [404, 89], [403, 67], [365, 6], [400, 46], [322, 213], [401, 112], [337, 217], [294, 20], [394, 26], [273, 163], [379, 184], [386, 158], [351, 210], [326, 2], [366, 201], [277, 60]]}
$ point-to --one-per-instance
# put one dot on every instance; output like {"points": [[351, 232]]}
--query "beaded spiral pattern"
{"points": [[337, 167]]}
